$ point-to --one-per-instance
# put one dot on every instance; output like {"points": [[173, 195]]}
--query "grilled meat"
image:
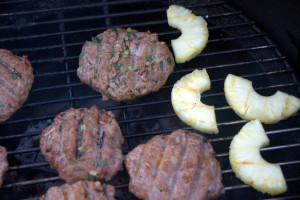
{"points": [[125, 64], [81, 190], [83, 144], [16, 78], [3, 163], [176, 166]]}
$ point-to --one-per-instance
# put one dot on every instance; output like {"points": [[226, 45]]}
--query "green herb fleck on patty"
{"points": [[149, 58], [92, 178], [129, 30], [125, 54], [96, 39], [161, 64], [15, 75], [156, 79], [81, 149], [113, 53], [169, 60], [102, 163], [119, 65], [130, 68], [81, 55], [82, 127]]}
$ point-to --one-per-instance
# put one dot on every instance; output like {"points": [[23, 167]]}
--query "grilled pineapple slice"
{"points": [[186, 94], [249, 166], [194, 33], [249, 105]]}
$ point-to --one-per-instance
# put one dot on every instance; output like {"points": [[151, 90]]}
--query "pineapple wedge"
{"points": [[185, 97], [194, 33], [249, 166], [249, 105]]}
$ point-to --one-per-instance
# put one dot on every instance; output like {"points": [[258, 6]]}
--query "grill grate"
{"points": [[51, 33]]}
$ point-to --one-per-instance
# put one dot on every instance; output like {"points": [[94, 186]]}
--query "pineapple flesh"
{"points": [[185, 97], [194, 33], [249, 105], [249, 166]]}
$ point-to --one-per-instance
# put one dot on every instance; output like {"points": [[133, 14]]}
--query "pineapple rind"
{"points": [[249, 105], [185, 97], [249, 166], [194, 33]]}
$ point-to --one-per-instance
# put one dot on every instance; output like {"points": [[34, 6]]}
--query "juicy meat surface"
{"points": [[125, 64], [16, 78], [176, 166], [3, 163], [81, 190], [83, 144]]}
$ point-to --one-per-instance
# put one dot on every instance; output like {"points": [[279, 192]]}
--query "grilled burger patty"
{"points": [[83, 144], [81, 190], [16, 78], [125, 64], [176, 166], [3, 163]]}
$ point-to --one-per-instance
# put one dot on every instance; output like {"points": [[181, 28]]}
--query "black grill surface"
{"points": [[51, 33]]}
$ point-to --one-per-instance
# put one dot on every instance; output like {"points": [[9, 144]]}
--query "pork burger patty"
{"points": [[83, 144], [3, 163], [81, 190], [16, 78], [176, 166], [125, 64]]}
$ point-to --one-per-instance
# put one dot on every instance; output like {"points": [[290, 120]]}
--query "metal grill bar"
{"points": [[118, 186], [185, 70], [93, 5], [140, 119], [12, 2], [216, 155], [245, 186], [33, 49], [283, 198], [94, 17], [200, 55], [26, 166], [115, 26]]}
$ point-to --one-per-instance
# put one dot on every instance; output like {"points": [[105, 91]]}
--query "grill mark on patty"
{"points": [[79, 136], [97, 60], [196, 177], [105, 190], [174, 166], [62, 132], [140, 160], [153, 47], [7, 87], [133, 78], [161, 155], [12, 70], [87, 191], [182, 156], [65, 192], [98, 144]]}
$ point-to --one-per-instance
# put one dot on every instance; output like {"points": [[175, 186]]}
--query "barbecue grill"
{"points": [[52, 33]]}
